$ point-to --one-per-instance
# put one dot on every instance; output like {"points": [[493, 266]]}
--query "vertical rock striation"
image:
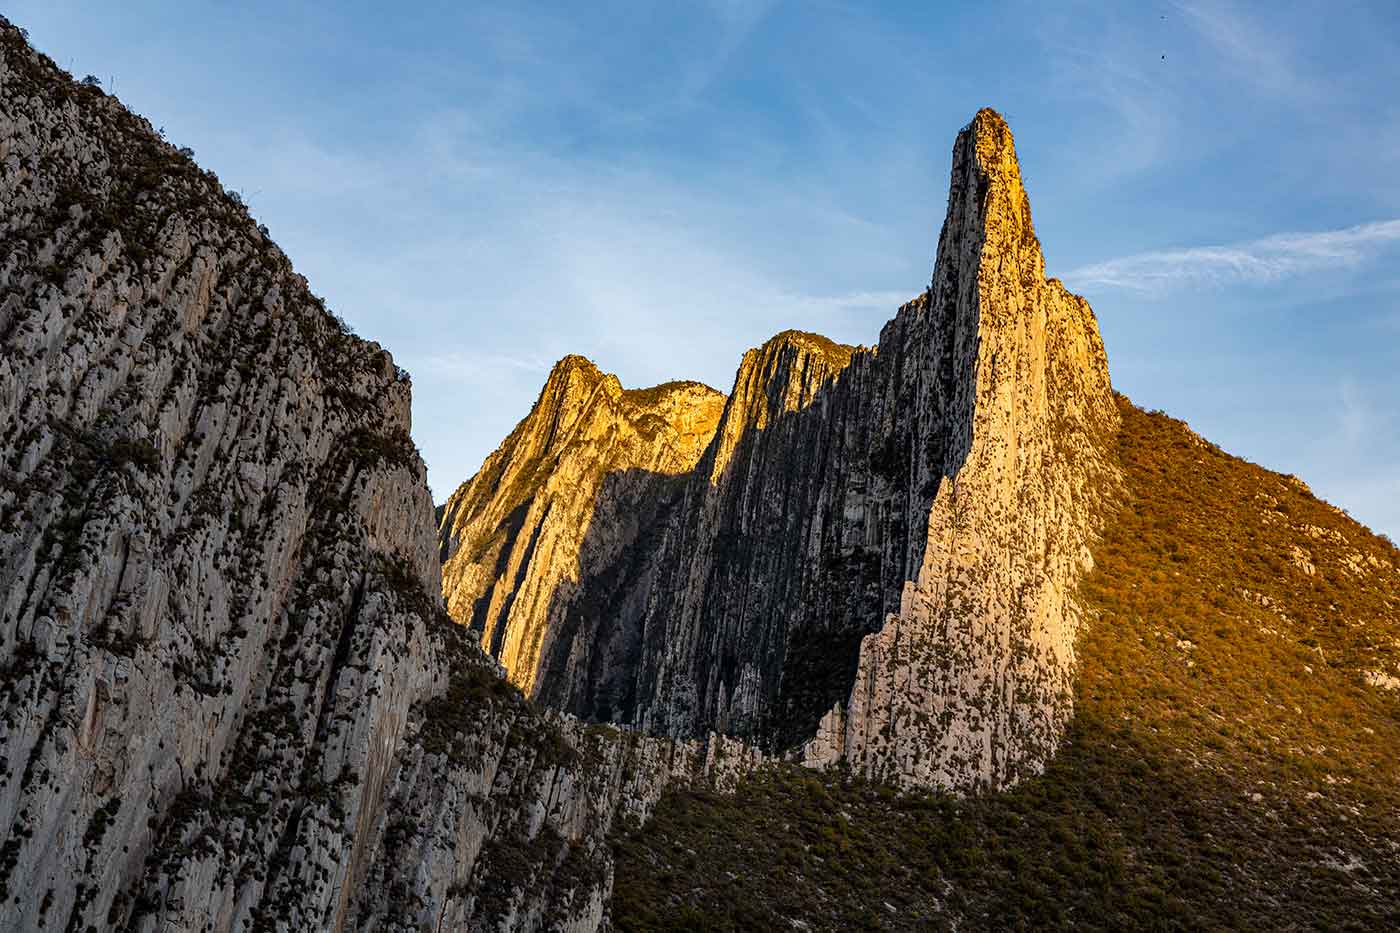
{"points": [[969, 681], [229, 697], [874, 559], [591, 457]]}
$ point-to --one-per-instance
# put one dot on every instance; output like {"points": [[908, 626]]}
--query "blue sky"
{"points": [[484, 188]]}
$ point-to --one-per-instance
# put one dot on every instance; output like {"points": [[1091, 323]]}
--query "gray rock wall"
{"points": [[230, 699]]}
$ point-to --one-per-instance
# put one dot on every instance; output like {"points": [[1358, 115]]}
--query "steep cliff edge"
{"points": [[970, 682], [590, 458], [229, 698], [873, 560]]}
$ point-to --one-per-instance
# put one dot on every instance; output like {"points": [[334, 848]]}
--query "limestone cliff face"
{"points": [[539, 518], [748, 559], [229, 698], [874, 558], [969, 681]]}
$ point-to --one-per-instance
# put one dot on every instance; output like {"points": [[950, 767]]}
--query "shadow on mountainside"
{"points": [[1230, 764], [741, 602]]}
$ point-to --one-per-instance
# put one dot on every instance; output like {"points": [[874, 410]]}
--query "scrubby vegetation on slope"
{"points": [[1230, 764]]}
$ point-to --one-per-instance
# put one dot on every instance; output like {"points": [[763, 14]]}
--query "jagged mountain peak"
{"points": [[989, 211], [836, 575], [650, 395], [230, 699], [991, 139], [782, 376], [575, 372], [572, 377], [807, 342], [574, 364], [579, 398], [519, 529]]}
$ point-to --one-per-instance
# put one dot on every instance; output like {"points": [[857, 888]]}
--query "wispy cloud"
{"points": [[472, 367], [1114, 72], [1252, 51], [1355, 418], [1269, 259], [884, 301]]}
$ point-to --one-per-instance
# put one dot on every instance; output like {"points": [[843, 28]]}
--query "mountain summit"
{"points": [[873, 560], [230, 699]]}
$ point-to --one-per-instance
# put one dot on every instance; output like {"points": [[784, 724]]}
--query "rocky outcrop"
{"points": [[502, 821], [875, 557], [591, 458], [230, 698], [970, 680]]}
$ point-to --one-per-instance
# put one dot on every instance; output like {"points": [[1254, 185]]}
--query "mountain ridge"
{"points": [[774, 566], [231, 699], [1054, 661]]}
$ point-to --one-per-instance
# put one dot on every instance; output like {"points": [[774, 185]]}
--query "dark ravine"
{"points": [[874, 559]]}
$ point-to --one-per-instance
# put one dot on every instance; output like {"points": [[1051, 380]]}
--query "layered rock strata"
{"points": [[229, 697], [874, 559]]}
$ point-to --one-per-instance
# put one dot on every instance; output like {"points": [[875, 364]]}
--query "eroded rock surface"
{"points": [[579, 483], [873, 560], [230, 699], [970, 681]]}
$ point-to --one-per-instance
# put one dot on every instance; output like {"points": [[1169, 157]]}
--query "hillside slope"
{"points": [[1231, 762]]}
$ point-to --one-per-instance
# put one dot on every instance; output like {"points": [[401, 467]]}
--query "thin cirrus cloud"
{"points": [[1270, 259], [1253, 51]]}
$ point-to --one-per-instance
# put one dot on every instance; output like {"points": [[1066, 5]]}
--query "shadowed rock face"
{"points": [[515, 537], [229, 698], [874, 558]]}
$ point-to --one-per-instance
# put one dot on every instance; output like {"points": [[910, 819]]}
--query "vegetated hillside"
{"points": [[1231, 762]]}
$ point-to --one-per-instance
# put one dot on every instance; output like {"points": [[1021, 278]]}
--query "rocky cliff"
{"points": [[873, 560], [591, 457], [970, 680], [230, 698], [1230, 764]]}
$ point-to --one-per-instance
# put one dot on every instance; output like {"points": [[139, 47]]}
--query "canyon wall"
{"points": [[872, 561], [230, 698]]}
